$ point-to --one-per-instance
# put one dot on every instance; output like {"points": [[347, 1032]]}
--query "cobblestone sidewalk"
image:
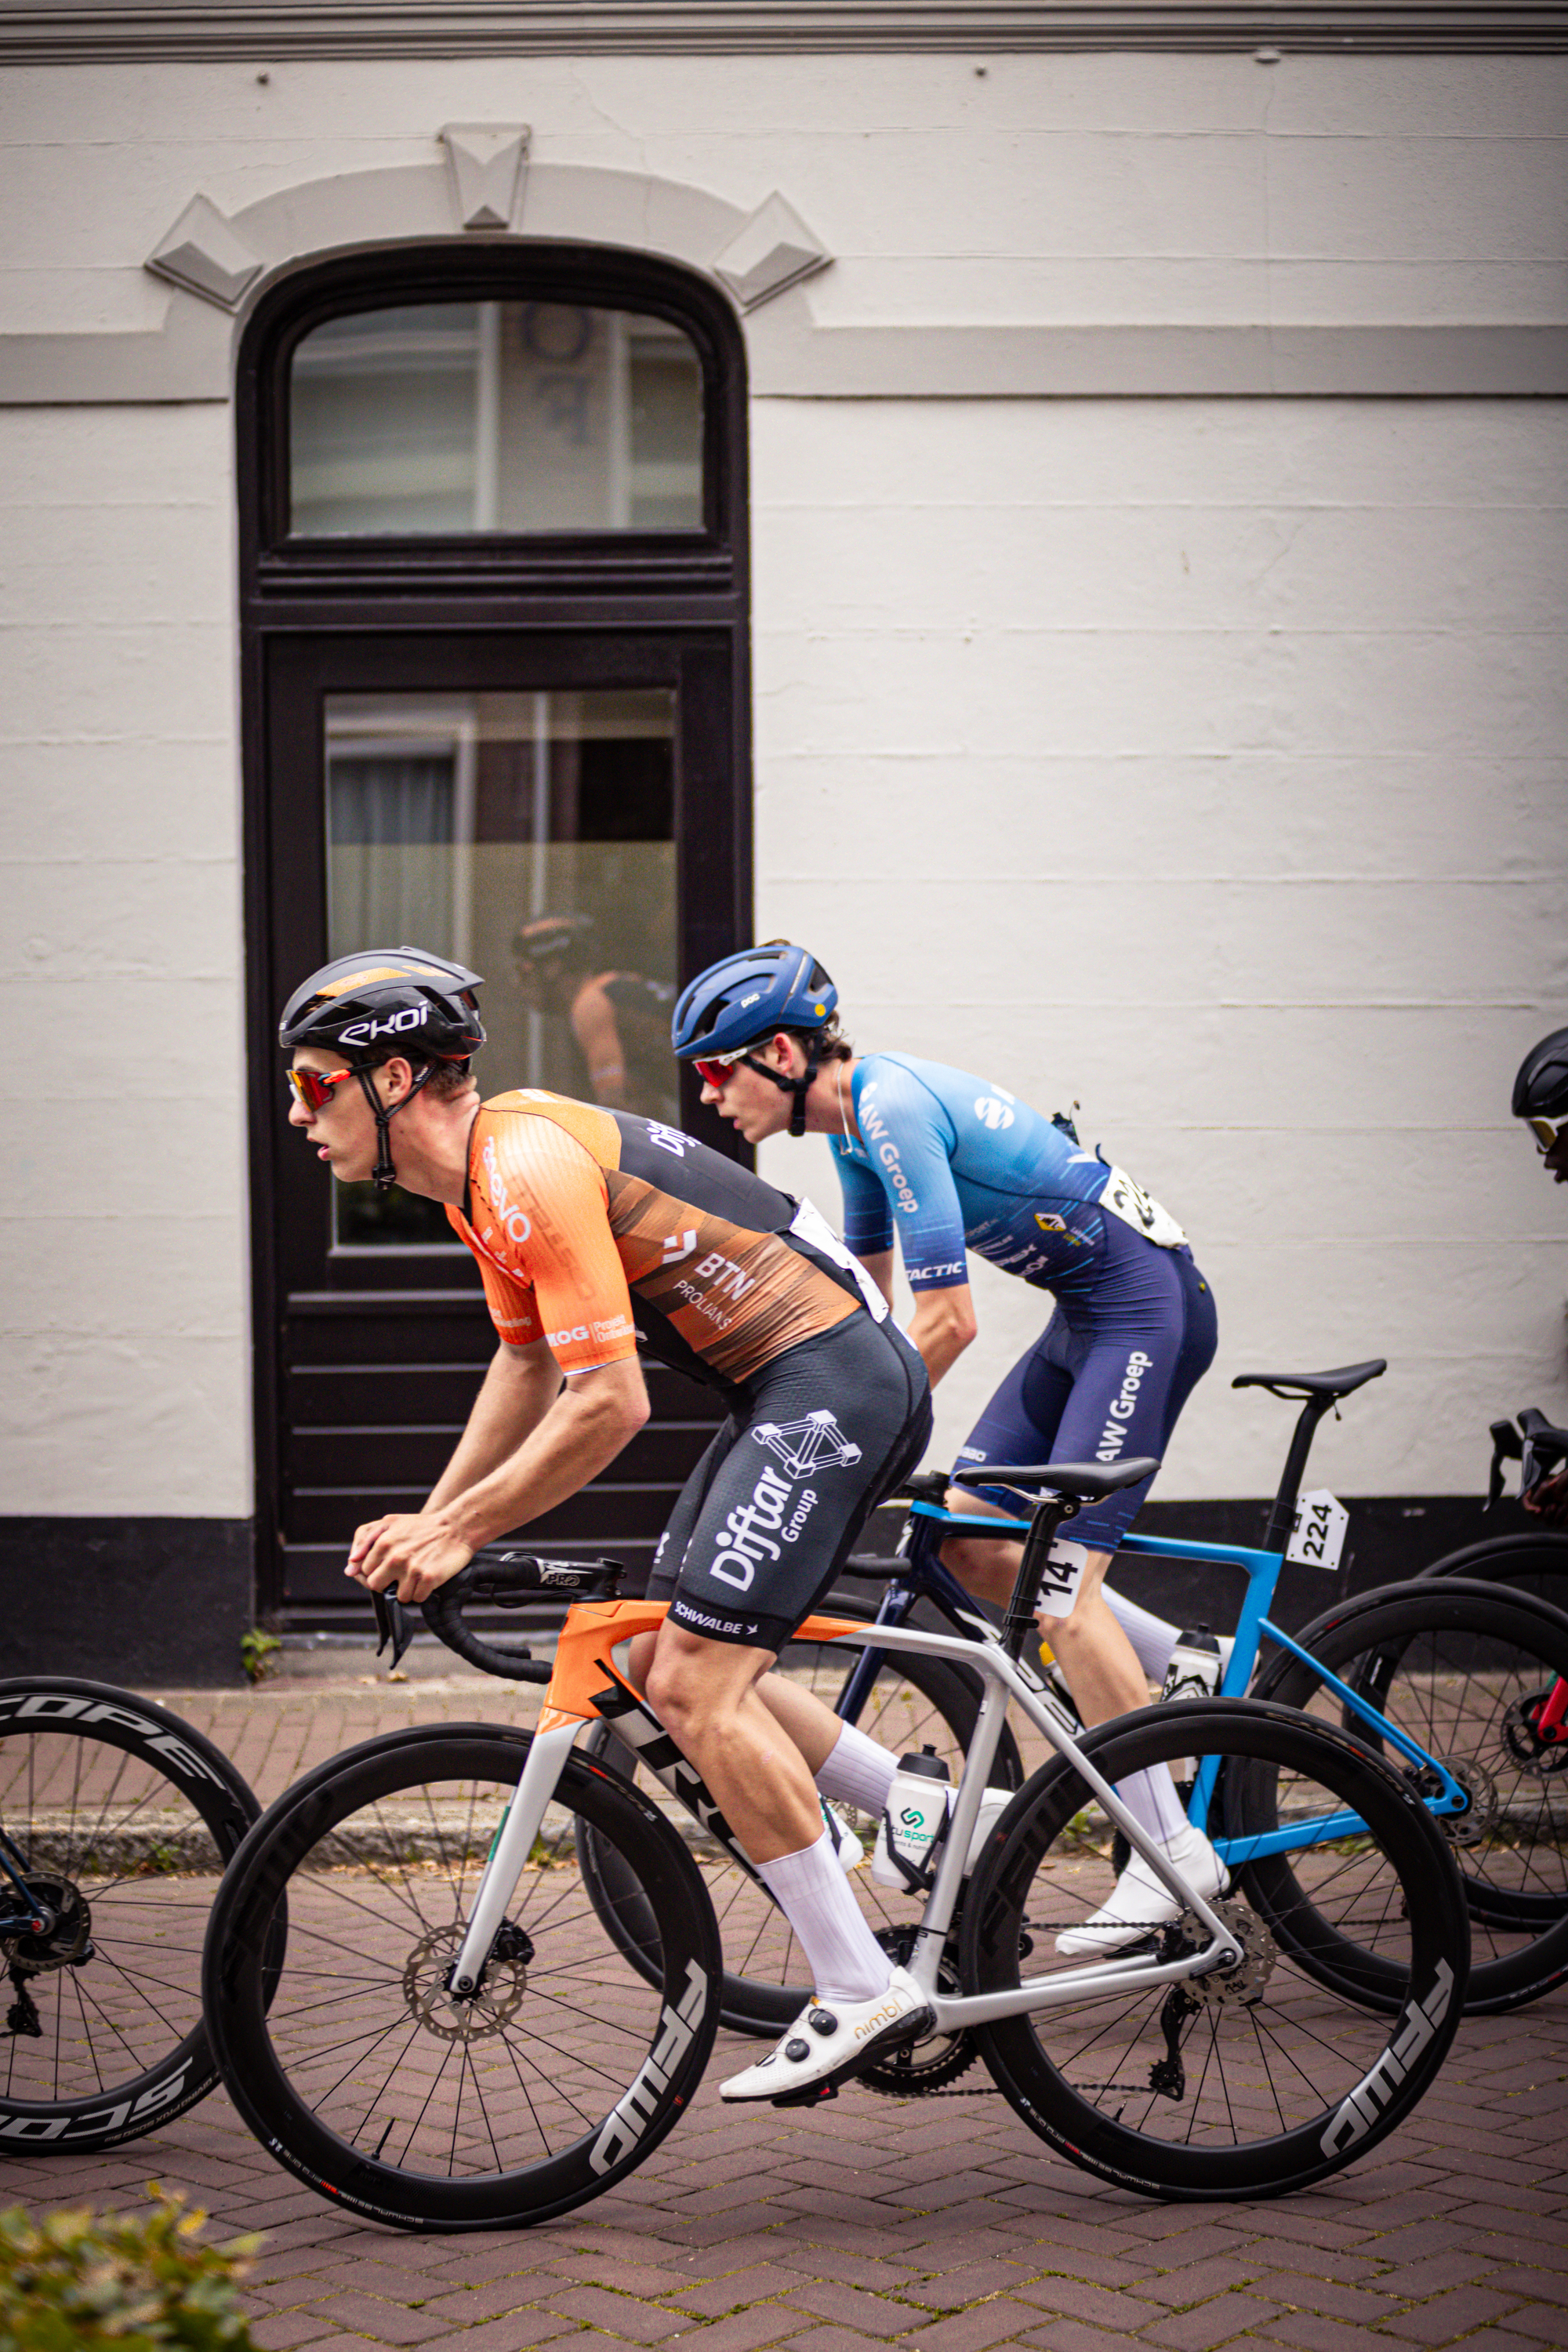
{"points": [[942, 2225]]}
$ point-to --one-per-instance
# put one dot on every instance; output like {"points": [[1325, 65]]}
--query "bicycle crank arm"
{"points": [[547, 1754]]}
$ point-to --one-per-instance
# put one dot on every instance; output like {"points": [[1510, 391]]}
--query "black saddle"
{"points": [[1085, 1482], [1311, 1384]]}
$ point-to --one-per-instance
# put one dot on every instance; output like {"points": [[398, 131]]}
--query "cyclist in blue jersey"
{"points": [[949, 1163]]}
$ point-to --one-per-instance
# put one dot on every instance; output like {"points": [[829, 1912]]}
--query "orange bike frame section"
{"points": [[592, 1631]]}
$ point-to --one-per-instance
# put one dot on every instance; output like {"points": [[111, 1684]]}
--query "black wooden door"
{"points": [[438, 788]]}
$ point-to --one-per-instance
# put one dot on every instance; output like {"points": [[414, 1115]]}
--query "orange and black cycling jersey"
{"points": [[592, 1225]]}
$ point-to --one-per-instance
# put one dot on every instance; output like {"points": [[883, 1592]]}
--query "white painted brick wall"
{"points": [[1200, 760], [124, 1317]]}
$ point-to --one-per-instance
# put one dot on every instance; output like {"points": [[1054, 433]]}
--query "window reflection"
{"points": [[531, 836], [495, 417]]}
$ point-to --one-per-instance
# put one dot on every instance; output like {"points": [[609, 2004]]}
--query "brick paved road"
{"points": [[940, 2224]]}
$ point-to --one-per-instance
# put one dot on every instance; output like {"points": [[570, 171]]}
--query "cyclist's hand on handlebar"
{"points": [[1548, 1498], [414, 1552]]}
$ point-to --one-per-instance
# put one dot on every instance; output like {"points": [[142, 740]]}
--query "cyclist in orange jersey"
{"points": [[620, 1021], [594, 1229]]}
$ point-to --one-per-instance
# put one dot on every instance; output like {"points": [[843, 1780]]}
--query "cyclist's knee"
{"points": [[691, 1680], [639, 1659], [1085, 1622]]}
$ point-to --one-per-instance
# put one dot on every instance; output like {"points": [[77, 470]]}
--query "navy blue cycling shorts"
{"points": [[1106, 1381]]}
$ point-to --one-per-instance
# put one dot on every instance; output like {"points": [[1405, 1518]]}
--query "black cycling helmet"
{"points": [[381, 1002], [744, 998], [1541, 1089], [552, 935]]}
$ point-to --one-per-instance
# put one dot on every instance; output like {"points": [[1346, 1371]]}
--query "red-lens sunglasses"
{"points": [[314, 1087], [714, 1069]]}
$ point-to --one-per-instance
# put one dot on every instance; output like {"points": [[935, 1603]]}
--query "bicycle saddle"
{"points": [[1085, 1482], [1329, 1384]]}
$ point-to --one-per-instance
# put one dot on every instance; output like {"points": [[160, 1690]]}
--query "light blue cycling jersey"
{"points": [[952, 1162]]}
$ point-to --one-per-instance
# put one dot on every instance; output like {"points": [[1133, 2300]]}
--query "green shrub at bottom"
{"points": [[131, 2283]]}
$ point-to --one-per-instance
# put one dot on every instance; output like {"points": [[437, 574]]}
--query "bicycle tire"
{"points": [[1256, 2084], [1454, 1663], [129, 1815], [562, 2078], [1533, 1560], [915, 1701]]}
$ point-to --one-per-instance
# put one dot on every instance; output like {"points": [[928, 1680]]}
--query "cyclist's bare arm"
{"points": [[581, 1432], [595, 1028], [519, 1389], [944, 1322], [878, 1265], [943, 1327]]}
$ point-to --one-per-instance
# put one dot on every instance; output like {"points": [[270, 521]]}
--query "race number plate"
{"points": [[1133, 1205], [1319, 1534]]}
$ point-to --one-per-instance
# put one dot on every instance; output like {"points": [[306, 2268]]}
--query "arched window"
{"points": [[495, 640]]}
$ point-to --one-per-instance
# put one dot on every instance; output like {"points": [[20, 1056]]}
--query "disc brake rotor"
{"points": [[1542, 1759], [1475, 1825], [491, 2009], [67, 1941]]}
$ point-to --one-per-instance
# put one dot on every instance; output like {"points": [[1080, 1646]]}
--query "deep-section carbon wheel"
{"points": [[1464, 1669], [1533, 1560], [1240, 2083], [120, 1818], [915, 1702], [563, 2074]]}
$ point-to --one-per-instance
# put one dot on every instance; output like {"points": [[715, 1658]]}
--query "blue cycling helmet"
{"points": [[744, 998]]}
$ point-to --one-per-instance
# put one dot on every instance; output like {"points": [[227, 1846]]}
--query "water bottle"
{"points": [[914, 1822], [1195, 1667]]}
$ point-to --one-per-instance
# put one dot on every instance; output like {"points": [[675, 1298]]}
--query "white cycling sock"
{"points": [[1152, 1637], [858, 1771], [845, 1960], [1151, 1798]]}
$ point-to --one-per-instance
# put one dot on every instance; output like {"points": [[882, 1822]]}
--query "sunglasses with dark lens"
{"points": [[1547, 1130], [314, 1087]]}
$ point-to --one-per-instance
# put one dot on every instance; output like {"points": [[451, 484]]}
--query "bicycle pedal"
{"points": [[811, 2096]]}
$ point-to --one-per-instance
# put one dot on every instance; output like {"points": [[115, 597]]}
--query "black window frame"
{"points": [[575, 563], [682, 596]]}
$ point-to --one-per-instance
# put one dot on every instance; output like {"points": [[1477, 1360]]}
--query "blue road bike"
{"points": [[1448, 1680]]}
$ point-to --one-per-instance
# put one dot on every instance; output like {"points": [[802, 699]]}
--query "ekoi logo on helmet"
{"points": [[364, 1032]]}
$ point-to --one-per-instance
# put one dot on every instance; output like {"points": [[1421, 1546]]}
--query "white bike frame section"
{"points": [[1004, 1682]]}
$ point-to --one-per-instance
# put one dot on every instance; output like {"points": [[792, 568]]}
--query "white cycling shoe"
{"points": [[1139, 1903], [831, 2041]]}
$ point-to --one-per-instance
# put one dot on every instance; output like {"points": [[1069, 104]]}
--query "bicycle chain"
{"points": [[989, 2090]]}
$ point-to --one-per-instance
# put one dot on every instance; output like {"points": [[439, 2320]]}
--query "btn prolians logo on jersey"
{"points": [[813, 1443]]}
